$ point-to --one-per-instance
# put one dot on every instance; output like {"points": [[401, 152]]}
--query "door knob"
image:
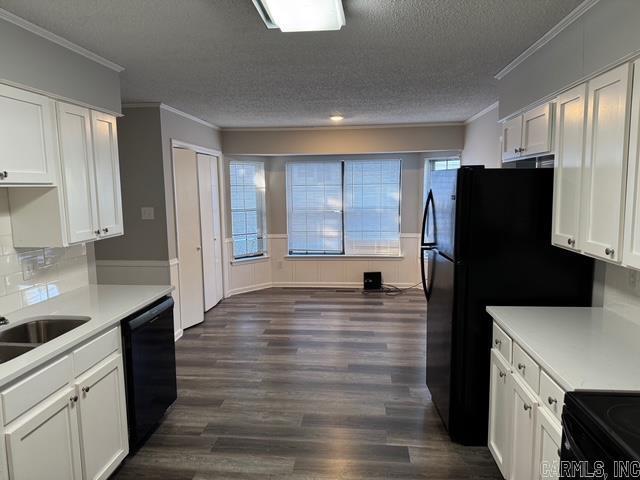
{"points": [[198, 248], [609, 251]]}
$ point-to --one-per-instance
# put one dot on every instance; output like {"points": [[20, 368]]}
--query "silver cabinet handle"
{"points": [[609, 251], [86, 389], [521, 366], [502, 374], [497, 342], [97, 232], [74, 399], [4, 174], [552, 400], [105, 230], [527, 407], [571, 242]]}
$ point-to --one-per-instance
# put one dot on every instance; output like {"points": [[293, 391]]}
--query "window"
{"points": [[349, 207], [437, 164], [247, 209]]}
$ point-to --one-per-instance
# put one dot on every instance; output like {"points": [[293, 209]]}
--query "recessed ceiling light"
{"points": [[336, 118], [301, 15]]}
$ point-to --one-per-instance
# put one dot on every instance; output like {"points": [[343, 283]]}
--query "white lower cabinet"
{"points": [[548, 437], [500, 411], [524, 405], [45, 443], [103, 422], [78, 432]]}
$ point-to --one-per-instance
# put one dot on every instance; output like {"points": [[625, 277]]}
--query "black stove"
{"points": [[600, 426]]}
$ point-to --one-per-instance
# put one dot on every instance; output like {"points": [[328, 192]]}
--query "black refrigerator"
{"points": [[486, 240]]}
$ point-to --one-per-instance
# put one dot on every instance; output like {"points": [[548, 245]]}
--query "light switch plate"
{"points": [[148, 213]]}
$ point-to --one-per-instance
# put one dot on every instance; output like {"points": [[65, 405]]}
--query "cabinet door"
{"points": [[631, 252], [604, 179], [45, 444], [570, 127], [523, 413], [103, 421], [499, 412], [548, 439], [536, 130], [107, 174], [511, 138], [77, 173], [28, 152]]}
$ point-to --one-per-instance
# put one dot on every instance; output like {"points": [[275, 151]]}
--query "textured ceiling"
{"points": [[395, 61]]}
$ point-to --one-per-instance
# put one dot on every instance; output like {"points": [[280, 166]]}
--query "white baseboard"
{"points": [[248, 288], [178, 334], [263, 286]]}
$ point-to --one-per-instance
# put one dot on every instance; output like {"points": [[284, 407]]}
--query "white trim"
{"points": [[195, 148], [169, 108], [246, 260], [357, 285], [574, 15], [410, 235], [61, 98], [343, 127], [481, 113], [63, 42], [177, 335], [277, 236], [250, 288], [174, 261], [343, 257]]}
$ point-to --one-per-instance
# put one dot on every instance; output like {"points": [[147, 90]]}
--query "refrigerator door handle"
{"points": [[427, 286], [429, 213]]}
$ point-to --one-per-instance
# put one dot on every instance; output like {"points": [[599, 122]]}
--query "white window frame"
{"points": [[429, 163], [344, 213], [261, 211]]}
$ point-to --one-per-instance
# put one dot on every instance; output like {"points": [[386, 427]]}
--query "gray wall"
{"points": [[30, 60], [482, 141], [142, 180], [329, 141], [604, 35], [275, 168], [177, 127]]}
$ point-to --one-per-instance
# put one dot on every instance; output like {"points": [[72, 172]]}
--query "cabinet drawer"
{"points": [[30, 391], [526, 367], [501, 342], [96, 350], [551, 394]]}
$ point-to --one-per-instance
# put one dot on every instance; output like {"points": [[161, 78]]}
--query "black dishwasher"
{"points": [[150, 366]]}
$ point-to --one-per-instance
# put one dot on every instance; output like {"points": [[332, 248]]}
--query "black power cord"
{"points": [[390, 290]]}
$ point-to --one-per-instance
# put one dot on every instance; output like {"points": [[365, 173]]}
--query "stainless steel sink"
{"points": [[11, 351], [41, 330]]}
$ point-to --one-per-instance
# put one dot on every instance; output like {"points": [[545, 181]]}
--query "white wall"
{"points": [[29, 276], [482, 141]]}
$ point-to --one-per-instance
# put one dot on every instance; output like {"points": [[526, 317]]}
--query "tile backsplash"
{"points": [[29, 276], [622, 291]]}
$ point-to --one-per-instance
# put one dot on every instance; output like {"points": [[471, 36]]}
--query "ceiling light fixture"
{"points": [[336, 118], [301, 15]]}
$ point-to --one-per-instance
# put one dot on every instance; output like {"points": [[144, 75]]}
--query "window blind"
{"points": [[247, 208]]}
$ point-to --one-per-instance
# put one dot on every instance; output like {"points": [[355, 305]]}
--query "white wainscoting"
{"points": [[279, 270]]}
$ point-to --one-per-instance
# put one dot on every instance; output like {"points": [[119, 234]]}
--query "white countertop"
{"points": [[105, 304], [580, 348]]}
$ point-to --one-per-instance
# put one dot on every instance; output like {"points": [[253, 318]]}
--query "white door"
{"points": [[103, 421], [27, 137], [631, 253], [605, 164], [524, 406], [107, 174], [45, 444], [548, 439], [189, 237], [77, 173], [499, 412], [570, 128], [536, 130], [511, 138], [210, 224]]}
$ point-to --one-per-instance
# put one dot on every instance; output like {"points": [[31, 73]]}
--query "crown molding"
{"points": [[574, 15], [63, 42], [482, 112], [342, 127], [171, 109]]}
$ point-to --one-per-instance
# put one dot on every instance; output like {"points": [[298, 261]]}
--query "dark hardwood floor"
{"points": [[306, 384]]}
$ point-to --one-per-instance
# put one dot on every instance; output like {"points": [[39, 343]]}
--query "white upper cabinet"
{"points": [[529, 134], [570, 127], [107, 174], [536, 130], [77, 173], [511, 138], [28, 151], [631, 252], [605, 164]]}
